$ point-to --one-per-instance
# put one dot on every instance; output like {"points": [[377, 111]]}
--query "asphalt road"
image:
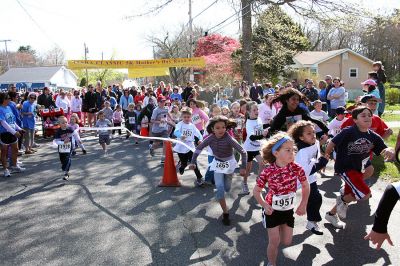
{"points": [[112, 212]]}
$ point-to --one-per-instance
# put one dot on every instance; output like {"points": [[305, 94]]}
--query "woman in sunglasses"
{"points": [[9, 134], [28, 113]]}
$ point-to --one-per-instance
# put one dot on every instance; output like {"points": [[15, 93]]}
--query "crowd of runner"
{"points": [[292, 132]]}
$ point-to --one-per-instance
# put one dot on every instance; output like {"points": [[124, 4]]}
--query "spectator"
{"points": [[90, 103], [381, 80], [310, 91], [268, 89], [336, 96], [28, 120], [125, 100], [175, 95], [63, 103], [228, 91], [329, 86], [45, 99], [256, 92], [208, 95], [224, 101], [235, 91], [187, 91]]}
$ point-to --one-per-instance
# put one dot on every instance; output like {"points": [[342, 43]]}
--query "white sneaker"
{"points": [[17, 169], [341, 208], [245, 189], [334, 220], [7, 173]]}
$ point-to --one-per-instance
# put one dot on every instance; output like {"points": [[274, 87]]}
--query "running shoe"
{"points": [[73, 153], [35, 145], [162, 161], [245, 189], [151, 149], [334, 220], [225, 219], [314, 228], [84, 151], [127, 137], [341, 208], [17, 169], [66, 176], [200, 182], [7, 173], [136, 143]]}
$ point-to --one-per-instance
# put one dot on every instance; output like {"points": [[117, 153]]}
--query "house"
{"points": [[31, 78], [351, 67]]}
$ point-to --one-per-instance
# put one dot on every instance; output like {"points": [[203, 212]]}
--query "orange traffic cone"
{"points": [[170, 178]]}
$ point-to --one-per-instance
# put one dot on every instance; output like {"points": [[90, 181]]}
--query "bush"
{"points": [[392, 96]]}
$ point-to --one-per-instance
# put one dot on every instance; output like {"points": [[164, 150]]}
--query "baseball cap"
{"points": [[369, 82], [368, 97], [161, 99], [341, 110]]}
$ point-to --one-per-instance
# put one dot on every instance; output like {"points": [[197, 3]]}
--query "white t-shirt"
{"points": [[189, 131], [253, 127], [335, 126], [396, 185], [307, 157], [321, 116], [266, 113]]}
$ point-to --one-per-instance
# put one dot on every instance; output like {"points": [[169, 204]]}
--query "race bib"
{"points": [[187, 133], [283, 202], [64, 148], [239, 123], [227, 167], [132, 120], [258, 130], [163, 123], [196, 119]]}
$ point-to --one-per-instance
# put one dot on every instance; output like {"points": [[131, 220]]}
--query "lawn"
{"points": [[387, 170], [393, 107]]}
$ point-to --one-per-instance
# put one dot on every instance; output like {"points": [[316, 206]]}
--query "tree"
{"points": [[174, 46], [217, 50], [54, 56], [26, 49], [276, 40]]}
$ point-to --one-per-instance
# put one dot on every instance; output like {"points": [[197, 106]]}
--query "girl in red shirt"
{"points": [[277, 208]]}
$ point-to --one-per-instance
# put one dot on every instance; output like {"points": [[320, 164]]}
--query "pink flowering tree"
{"points": [[217, 50]]}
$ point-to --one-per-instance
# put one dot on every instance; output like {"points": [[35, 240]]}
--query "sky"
{"points": [[105, 27]]}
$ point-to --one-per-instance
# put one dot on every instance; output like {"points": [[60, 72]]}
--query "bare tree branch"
{"points": [[154, 10]]}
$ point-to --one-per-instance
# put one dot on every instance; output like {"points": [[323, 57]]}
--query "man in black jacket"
{"points": [[90, 101], [46, 99]]}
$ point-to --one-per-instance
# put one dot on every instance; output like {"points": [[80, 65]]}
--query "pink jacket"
{"points": [[199, 118]]}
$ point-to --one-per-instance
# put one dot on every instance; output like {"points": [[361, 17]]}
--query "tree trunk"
{"points": [[247, 64]]}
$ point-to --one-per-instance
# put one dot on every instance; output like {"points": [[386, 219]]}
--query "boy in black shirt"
{"points": [[63, 139], [353, 147]]}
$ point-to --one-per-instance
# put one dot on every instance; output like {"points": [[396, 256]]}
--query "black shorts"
{"points": [[278, 218], [7, 138], [251, 155]]}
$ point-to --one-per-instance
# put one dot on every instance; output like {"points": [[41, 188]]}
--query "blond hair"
{"points": [[266, 150]]}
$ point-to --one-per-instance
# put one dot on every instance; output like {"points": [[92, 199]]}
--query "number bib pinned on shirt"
{"points": [[188, 133], [64, 148], [132, 120], [196, 119], [283, 202], [227, 167]]}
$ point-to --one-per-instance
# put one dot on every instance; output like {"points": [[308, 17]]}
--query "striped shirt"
{"points": [[222, 148]]}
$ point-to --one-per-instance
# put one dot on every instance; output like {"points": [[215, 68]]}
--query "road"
{"points": [[113, 213]]}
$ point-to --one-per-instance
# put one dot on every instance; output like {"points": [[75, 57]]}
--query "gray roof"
{"points": [[29, 74]]}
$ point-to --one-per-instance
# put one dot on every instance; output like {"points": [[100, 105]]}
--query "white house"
{"points": [[31, 78]]}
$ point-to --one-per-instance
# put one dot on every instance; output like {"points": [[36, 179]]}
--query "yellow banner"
{"points": [[136, 64], [148, 72]]}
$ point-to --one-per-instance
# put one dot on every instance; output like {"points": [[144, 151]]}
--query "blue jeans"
{"points": [[223, 184], [209, 176]]}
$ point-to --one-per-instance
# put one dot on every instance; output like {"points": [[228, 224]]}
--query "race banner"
{"points": [[137, 64], [147, 72]]}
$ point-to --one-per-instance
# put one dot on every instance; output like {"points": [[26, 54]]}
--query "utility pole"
{"points": [[86, 52], [8, 60], [191, 75]]}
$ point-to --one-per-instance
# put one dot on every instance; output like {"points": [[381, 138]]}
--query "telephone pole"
{"points": [[86, 52], [191, 75], [8, 60]]}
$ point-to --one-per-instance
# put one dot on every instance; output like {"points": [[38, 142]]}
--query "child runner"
{"points": [[225, 110], [320, 115], [224, 164], [335, 125], [282, 176], [199, 118], [353, 162], [252, 145], [63, 138], [266, 110], [76, 140], [186, 131], [131, 119], [117, 118], [309, 157], [240, 122], [104, 134]]}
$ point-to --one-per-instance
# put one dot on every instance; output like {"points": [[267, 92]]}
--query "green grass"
{"points": [[386, 170], [390, 117], [393, 107]]}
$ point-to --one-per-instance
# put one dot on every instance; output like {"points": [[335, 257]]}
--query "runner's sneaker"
{"points": [[66, 176], [334, 220], [136, 143], [313, 227], [162, 161], [200, 182], [225, 219], [7, 173], [17, 169], [84, 151], [151, 149], [341, 208], [245, 189], [73, 153]]}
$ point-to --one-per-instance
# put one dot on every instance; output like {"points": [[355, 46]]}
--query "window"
{"points": [[353, 72], [313, 70]]}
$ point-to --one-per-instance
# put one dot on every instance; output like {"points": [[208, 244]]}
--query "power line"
{"points": [[204, 10], [222, 22], [37, 24]]}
